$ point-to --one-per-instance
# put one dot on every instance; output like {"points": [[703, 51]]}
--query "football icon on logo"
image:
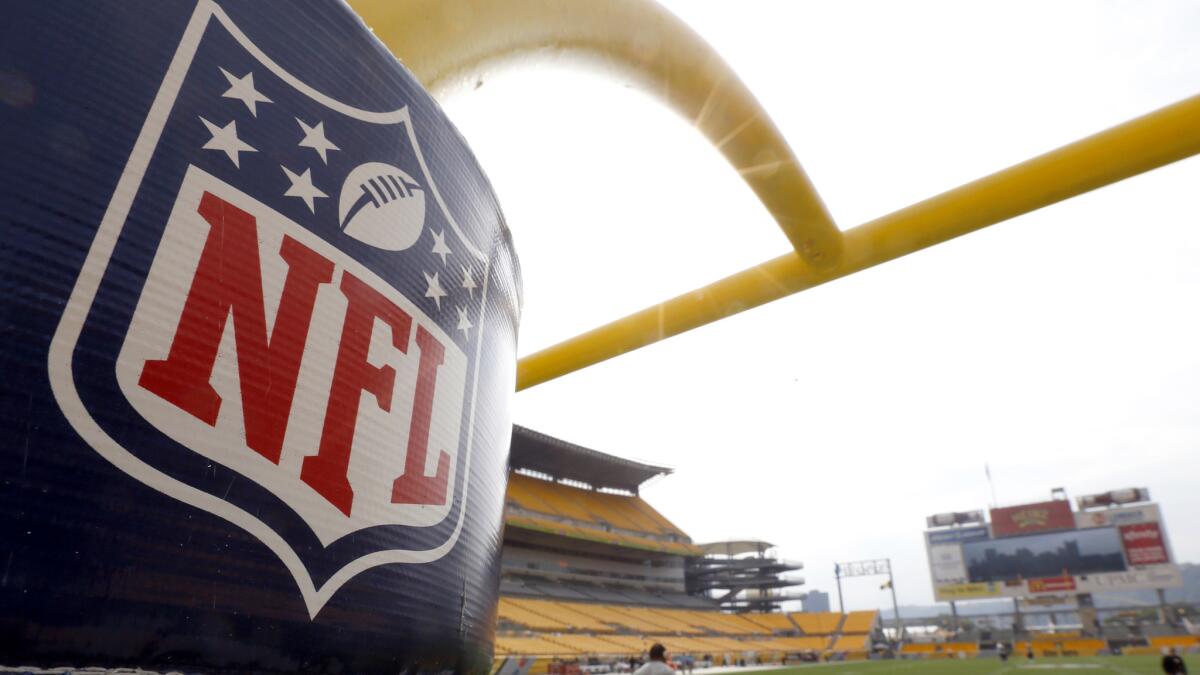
{"points": [[382, 206]]}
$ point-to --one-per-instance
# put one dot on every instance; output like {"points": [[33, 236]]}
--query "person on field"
{"points": [[657, 665], [1172, 663]]}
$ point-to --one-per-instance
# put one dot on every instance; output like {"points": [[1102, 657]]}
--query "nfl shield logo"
{"points": [[302, 355]]}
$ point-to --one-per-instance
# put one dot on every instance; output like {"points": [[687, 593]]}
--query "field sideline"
{"points": [[1121, 665]]}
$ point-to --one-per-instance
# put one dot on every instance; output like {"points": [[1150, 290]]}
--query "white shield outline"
{"points": [[62, 347]]}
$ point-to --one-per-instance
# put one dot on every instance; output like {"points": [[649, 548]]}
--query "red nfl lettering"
{"points": [[326, 471], [414, 487], [228, 282]]}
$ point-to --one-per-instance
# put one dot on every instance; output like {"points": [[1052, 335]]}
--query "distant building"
{"points": [[815, 601]]}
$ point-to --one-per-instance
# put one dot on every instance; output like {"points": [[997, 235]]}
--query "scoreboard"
{"points": [[1047, 548]]}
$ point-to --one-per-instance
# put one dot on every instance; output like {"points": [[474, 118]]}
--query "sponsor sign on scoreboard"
{"points": [[1029, 518], [1144, 544], [969, 591], [1052, 585]]}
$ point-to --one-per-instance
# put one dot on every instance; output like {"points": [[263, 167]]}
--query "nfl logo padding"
{"points": [[259, 310]]}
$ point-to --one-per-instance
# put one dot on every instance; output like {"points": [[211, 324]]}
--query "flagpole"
{"points": [[837, 574], [988, 471], [891, 582]]}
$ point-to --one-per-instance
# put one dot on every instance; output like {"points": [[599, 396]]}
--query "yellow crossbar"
{"points": [[1159, 138]]}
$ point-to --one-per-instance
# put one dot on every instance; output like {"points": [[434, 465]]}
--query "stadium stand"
{"points": [[1157, 644], [850, 643], [629, 644], [560, 613], [776, 623], [514, 614], [630, 618], [947, 650], [860, 622], [587, 628], [817, 623], [529, 646], [1180, 642], [590, 569]]}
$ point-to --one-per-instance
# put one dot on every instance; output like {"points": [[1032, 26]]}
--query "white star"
{"points": [[226, 140], [463, 324], [468, 281], [434, 289], [439, 245], [302, 187], [243, 90], [314, 137]]}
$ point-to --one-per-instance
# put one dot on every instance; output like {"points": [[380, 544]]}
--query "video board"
{"points": [[1046, 548], [1045, 555]]}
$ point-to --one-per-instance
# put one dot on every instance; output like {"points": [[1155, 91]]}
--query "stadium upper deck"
{"points": [[600, 502]]}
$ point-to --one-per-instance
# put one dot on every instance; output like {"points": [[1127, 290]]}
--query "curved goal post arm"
{"points": [[447, 41]]}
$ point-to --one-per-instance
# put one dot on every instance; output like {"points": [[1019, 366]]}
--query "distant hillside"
{"points": [[1189, 593]]}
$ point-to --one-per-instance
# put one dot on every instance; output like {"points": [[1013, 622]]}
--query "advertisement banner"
{"points": [[1119, 516], [1144, 544], [967, 591], [1043, 601], [946, 563], [1165, 576], [1052, 585], [958, 534], [1029, 518]]}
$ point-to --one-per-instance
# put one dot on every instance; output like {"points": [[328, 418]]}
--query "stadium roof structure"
{"points": [[736, 547], [535, 451]]}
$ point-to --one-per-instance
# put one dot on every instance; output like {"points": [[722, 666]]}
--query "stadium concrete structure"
{"points": [[593, 573], [590, 571]]}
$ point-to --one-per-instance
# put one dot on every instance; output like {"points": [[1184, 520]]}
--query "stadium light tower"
{"points": [[870, 568]]}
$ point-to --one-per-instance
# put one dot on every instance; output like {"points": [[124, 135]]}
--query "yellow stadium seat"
{"points": [[629, 644], [531, 646], [859, 622], [519, 615], [1069, 646], [772, 622], [611, 614], [564, 628], [1176, 641], [565, 615], [817, 623], [850, 643], [596, 516]]}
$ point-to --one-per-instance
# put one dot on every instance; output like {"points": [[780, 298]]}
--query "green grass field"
{"points": [[1120, 665]]}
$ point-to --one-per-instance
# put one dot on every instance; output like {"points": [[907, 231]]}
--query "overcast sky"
{"points": [[1062, 347]]}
